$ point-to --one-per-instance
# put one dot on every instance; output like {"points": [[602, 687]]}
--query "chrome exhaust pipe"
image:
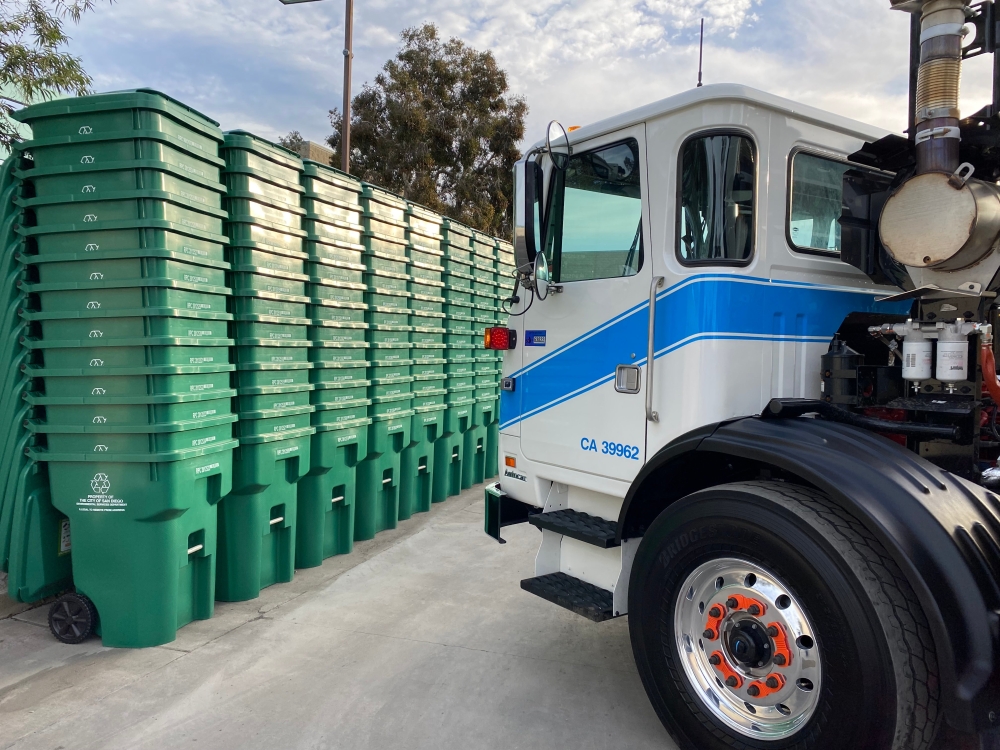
{"points": [[937, 137]]}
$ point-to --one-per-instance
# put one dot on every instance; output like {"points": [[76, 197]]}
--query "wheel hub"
{"points": [[747, 644], [747, 648]]}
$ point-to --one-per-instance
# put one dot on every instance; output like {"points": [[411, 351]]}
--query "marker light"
{"points": [[499, 339], [510, 461]]}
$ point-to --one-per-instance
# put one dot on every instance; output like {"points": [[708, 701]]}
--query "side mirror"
{"points": [[527, 214], [541, 279], [557, 145]]}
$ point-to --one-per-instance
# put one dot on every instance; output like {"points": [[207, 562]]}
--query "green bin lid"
{"points": [[457, 227], [382, 195], [326, 173], [247, 141], [128, 99]]}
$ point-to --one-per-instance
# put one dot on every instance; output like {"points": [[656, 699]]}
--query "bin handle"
{"points": [[196, 548], [337, 499], [279, 519]]}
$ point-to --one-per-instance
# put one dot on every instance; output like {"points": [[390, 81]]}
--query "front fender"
{"points": [[942, 531]]}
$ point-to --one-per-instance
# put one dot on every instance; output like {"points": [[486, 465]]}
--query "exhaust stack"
{"points": [[939, 77]]}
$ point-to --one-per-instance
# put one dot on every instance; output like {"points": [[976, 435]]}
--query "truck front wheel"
{"points": [[764, 616]]}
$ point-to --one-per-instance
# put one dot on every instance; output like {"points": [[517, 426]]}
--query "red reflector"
{"points": [[499, 339]]}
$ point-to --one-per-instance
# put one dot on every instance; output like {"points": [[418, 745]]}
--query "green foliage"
{"points": [[438, 127], [294, 142], [32, 65]]}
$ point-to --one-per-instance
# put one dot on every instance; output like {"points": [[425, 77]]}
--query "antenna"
{"points": [[701, 52]]}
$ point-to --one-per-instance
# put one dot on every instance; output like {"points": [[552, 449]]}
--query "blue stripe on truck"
{"points": [[704, 307]]}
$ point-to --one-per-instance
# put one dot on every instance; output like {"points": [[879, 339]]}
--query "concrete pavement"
{"points": [[419, 639]]}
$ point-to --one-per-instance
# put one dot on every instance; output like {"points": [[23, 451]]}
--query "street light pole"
{"points": [[345, 129]]}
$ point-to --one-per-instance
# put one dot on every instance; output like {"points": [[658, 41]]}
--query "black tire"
{"points": [[72, 618], [879, 689]]}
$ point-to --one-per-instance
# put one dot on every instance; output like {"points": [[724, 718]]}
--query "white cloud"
{"points": [[271, 68]]}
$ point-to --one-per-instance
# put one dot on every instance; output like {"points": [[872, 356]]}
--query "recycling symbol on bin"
{"points": [[97, 363], [100, 420], [86, 159], [101, 449], [100, 484], [96, 276], [98, 392], [92, 247], [89, 189], [86, 130], [95, 334], [90, 217], [93, 305]]}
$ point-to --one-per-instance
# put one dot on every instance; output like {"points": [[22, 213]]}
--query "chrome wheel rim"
{"points": [[765, 628]]}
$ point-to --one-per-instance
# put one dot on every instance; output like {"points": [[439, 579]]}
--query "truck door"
{"points": [[581, 379]]}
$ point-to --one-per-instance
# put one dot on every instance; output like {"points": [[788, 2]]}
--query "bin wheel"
{"points": [[764, 616], [72, 618]]}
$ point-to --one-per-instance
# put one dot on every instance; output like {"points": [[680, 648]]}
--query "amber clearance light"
{"points": [[499, 339]]}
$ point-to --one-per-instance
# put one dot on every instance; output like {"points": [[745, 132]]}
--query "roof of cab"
{"points": [[726, 92]]}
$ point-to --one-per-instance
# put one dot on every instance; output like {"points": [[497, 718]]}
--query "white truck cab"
{"points": [[722, 203], [750, 401]]}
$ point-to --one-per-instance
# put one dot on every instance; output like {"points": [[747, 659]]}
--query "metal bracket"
{"points": [[503, 510], [984, 20]]}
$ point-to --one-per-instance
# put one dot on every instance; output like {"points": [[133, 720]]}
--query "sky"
{"points": [[270, 68]]}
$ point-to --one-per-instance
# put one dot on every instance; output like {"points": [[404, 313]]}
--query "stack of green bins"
{"points": [[485, 300], [389, 360], [130, 352], [428, 338], [34, 549], [327, 493], [257, 520], [460, 354]]}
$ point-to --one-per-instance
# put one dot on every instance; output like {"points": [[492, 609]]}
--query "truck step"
{"points": [[578, 525], [571, 593]]}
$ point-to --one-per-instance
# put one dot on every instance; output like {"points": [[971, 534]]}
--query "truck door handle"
{"points": [[651, 415], [627, 379]]}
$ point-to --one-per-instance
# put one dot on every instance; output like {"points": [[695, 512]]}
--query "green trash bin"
{"points": [[377, 500], [143, 532], [449, 449], [257, 518], [416, 465], [326, 495], [475, 468]]}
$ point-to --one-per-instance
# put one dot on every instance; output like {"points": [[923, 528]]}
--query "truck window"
{"points": [[595, 222], [819, 206], [817, 198], [716, 209]]}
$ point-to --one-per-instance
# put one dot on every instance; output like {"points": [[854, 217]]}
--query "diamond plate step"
{"points": [[571, 593], [578, 525]]}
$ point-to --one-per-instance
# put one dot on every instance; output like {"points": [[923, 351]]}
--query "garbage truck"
{"points": [[750, 400]]}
